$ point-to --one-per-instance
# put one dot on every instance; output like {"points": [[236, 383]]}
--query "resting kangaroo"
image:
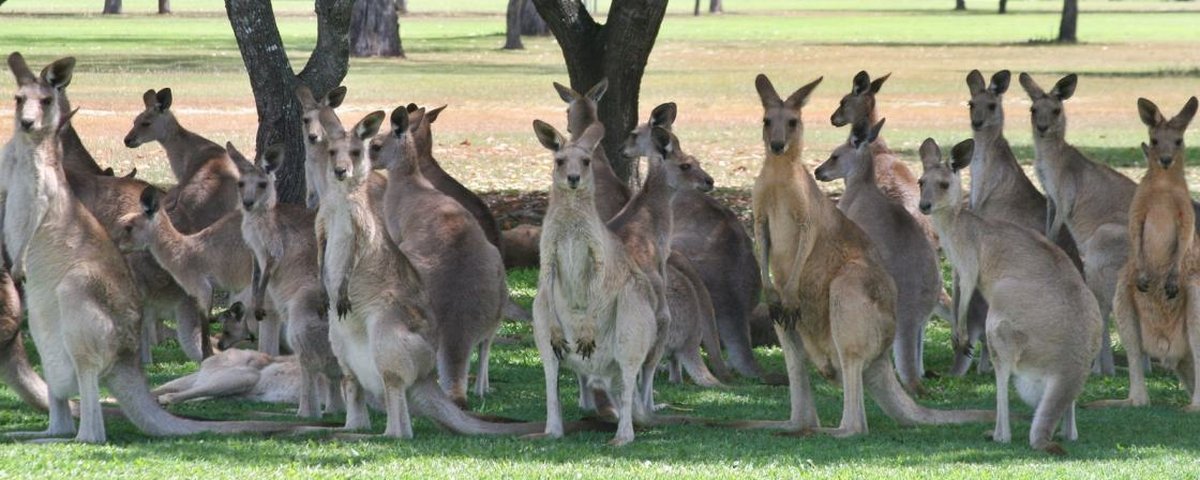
{"points": [[1089, 199], [907, 255], [450, 251], [1156, 304], [84, 308], [594, 309], [832, 301], [1043, 324]]}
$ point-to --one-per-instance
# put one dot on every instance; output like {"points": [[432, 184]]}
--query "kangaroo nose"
{"points": [[924, 206], [1043, 128], [26, 124], [339, 172], [312, 138], [1165, 161], [129, 142], [777, 147], [248, 204], [573, 180], [976, 125]]}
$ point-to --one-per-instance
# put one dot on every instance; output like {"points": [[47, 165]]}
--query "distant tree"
{"points": [[1070, 19], [402, 7], [274, 82], [714, 6], [960, 4], [1003, 6], [375, 29], [112, 6], [616, 50], [164, 7], [512, 25]]}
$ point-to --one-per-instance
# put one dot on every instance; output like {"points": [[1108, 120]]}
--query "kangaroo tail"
{"points": [[881, 382], [428, 399], [19, 375]]}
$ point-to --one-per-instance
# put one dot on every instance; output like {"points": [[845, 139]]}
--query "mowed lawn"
{"points": [[707, 66]]}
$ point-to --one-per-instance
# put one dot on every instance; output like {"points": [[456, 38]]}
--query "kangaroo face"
{"points": [[256, 189], [1166, 136], [782, 128], [391, 150], [572, 160], [140, 226], [689, 172], [37, 109], [349, 162], [857, 105], [986, 103], [581, 108], [317, 115], [234, 329], [639, 142], [1046, 113], [940, 185], [151, 124], [838, 165]]}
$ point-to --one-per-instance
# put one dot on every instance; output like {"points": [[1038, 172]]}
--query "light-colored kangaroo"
{"points": [[712, 238], [907, 254], [1043, 324], [319, 122], [582, 111], [1089, 199], [1156, 304], [243, 374], [832, 300], [84, 308], [280, 236], [449, 249], [594, 309]]}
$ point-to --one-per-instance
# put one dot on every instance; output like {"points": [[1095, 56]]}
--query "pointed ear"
{"points": [[861, 83], [132, 173], [149, 200], [1185, 115], [415, 119], [58, 74], [1000, 82], [273, 158], [975, 82], [800, 97], [305, 95], [859, 132], [961, 154], [162, 100], [335, 97], [663, 115], [65, 121], [108, 172], [20, 69], [766, 91], [565, 93], [1146, 155], [1031, 87], [597, 91], [591, 137], [432, 115], [148, 98], [878, 83], [874, 134], [548, 136], [931, 154], [662, 141], [240, 161], [1065, 87], [369, 125], [400, 121], [237, 309], [1149, 113]]}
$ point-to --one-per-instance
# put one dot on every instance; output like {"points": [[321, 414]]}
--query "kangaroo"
{"points": [[582, 111], [76, 158], [385, 333], [453, 256], [280, 236], [1155, 305], [1089, 199], [84, 309], [712, 238], [907, 254], [319, 121], [15, 370], [831, 299], [594, 309], [1047, 345], [242, 374]]}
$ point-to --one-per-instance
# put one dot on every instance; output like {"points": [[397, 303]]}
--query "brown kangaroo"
{"points": [[319, 122], [611, 193]]}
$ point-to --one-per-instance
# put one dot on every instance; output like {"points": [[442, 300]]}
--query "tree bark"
{"points": [[716, 6], [512, 25], [274, 82], [531, 21], [1070, 18], [960, 4], [696, 11], [375, 29], [617, 50], [1003, 6], [112, 6], [164, 7]]}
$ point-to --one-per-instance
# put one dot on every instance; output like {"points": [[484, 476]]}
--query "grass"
{"points": [[706, 65]]}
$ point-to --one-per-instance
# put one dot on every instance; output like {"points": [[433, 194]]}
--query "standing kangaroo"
{"points": [[1043, 324], [907, 254], [831, 299], [319, 123], [712, 238], [280, 236], [1089, 199], [1156, 304], [582, 112], [449, 249]]}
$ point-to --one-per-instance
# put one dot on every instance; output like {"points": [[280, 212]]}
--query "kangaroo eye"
{"points": [[685, 167], [944, 185], [792, 123], [992, 107], [766, 122], [1057, 111], [921, 183], [558, 161], [47, 101], [355, 153], [262, 184], [332, 153], [376, 147], [144, 124], [587, 162], [1154, 142], [129, 229], [241, 184], [1179, 142]]}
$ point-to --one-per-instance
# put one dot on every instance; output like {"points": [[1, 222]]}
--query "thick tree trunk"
{"points": [[715, 6], [960, 4], [375, 29], [164, 7], [696, 11], [531, 21], [617, 50], [112, 6], [1003, 6], [402, 7], [512, 25], [1070, 18], [274, 82]]}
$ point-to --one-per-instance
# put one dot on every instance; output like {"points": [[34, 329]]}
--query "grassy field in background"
{"points": [[707, 66]]}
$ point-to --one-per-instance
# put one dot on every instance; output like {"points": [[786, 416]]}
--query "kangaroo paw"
{"points": [[1143, 283], [560, 346], [585, 347], [343, 306]]}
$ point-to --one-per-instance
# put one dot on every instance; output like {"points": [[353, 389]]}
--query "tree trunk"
{"points": [[164, 7], [274, 82], [402, 7], [512, 25], [1003, 6], [112, 6], [696, 11], [960, 4], [531, 21], [715, 6], [617, 50], [1070, 18], [375, 29]]}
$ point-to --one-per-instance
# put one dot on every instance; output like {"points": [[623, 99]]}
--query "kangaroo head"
{"points": [[256, 181], [396, 150], [1046, 113], [572, 160], [317, 115], [682, 170], [422, 128], [782, 126], [234, 329], [1166, 136], [860, 102], [850, 156], [940, 185], [639, 143], [986, 104], [350, 163], [155, 122], [581, 109], [38, 111], [140, 227]]}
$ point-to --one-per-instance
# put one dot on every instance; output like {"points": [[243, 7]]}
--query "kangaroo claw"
{"points": [[585, 347]]}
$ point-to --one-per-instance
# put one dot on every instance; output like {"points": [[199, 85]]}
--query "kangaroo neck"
{"points": [[168, 243], [179, 143], [48, 173], [651, 206]]}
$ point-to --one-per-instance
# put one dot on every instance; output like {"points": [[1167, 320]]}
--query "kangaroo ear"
{"points": [[663, 115], [415, 119], [861, 83], [240, 161], [20, 69], [960, 155], [273, 158], [766, 91], [369, 125], [874, 134], [149, 200], [305, 95], [1149, 113], [412, 107], [1185, 115], [859, 133], [565, 93], [1065, 87], [148, 99], [591, 137], [400, 121], [432, 115], [931, 154], [597, 91], [878, 83], [162, 100], [335, 97], [662, 141], [238, 310], [58, 74], [1031, 87], [1146, 152], [975, 82], [132, 173], [800, 97], [1000, 82], [548, 136], [108, 172]]}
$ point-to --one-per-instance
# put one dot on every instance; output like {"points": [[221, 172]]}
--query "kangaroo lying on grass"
{"points": [[1043, 324]]}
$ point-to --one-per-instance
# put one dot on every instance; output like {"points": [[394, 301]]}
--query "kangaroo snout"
{"points": [[925, 206], [777, 147], [1165, 161], [313, 138], [340, 173], [247, 204], [573, 181], [130, 142], [976, 124], [26, 125]]}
